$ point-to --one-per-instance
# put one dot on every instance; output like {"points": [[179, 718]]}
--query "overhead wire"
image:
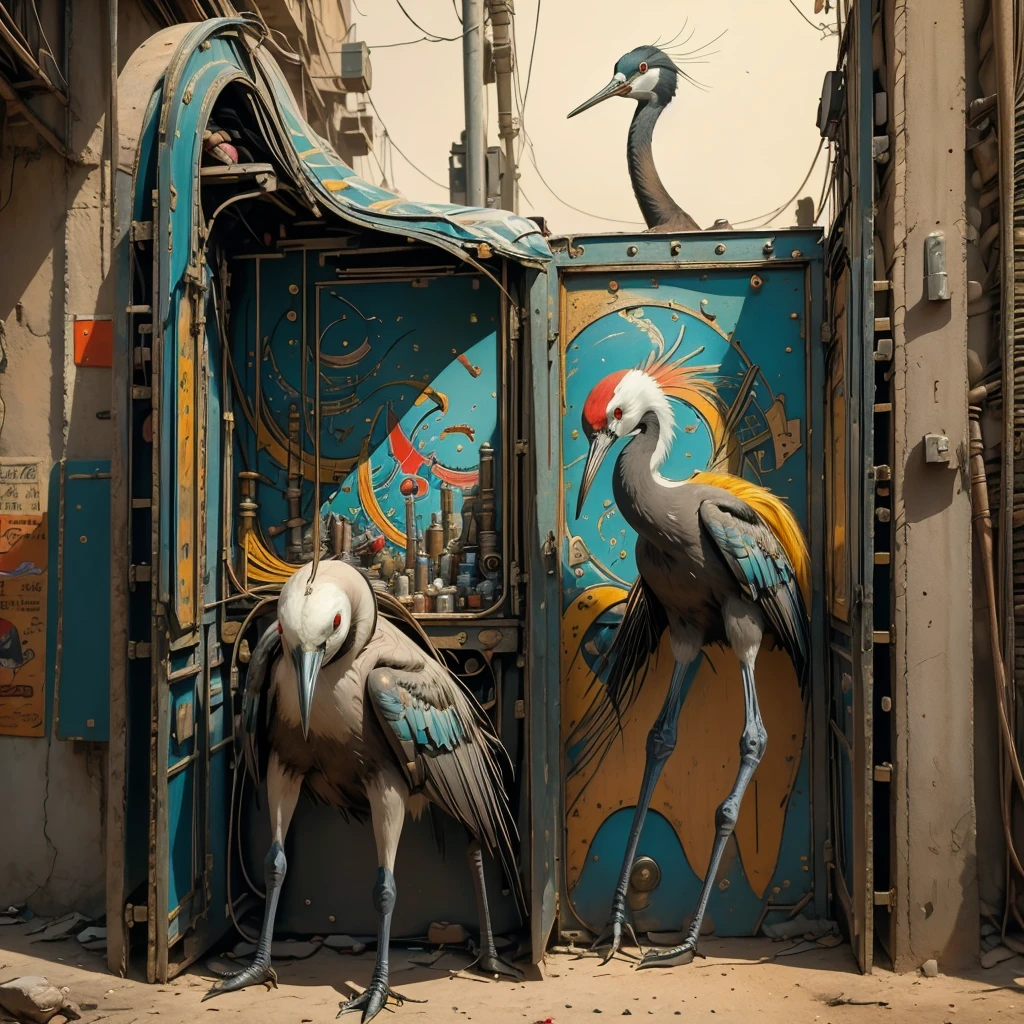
{"points": [[766, 218], [425, 31], [391, 142]]}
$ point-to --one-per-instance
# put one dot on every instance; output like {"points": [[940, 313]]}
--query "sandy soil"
{"points": [[738, 980]]}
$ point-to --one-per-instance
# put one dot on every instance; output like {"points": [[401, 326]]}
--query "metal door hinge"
{"points": [[516, 576], [135, 915], [520, 709], [142, 393], [883, 772], [139, 649], [142, 230], [134, 310], [886, 899], [827, 853], [140, 573], [549, 552], [522, 447]]}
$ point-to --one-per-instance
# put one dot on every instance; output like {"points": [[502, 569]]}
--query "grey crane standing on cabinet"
{"points": [[649, 76], [368, 720], [721, 560]]}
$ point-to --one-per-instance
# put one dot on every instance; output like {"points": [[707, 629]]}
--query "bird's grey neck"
{"points": [[657, 206], [634, 477]]}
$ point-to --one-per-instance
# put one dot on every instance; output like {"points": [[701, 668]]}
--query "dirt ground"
{"points": [[740, 979]]}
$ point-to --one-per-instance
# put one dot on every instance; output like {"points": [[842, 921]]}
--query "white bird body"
{"points": [[375, 724]]}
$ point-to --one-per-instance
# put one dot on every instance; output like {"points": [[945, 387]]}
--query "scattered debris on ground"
{"points": [[35, 999]]}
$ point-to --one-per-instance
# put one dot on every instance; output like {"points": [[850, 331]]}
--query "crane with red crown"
{"points": [[720, 561]]}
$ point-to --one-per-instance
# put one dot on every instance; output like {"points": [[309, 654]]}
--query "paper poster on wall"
{"points": [[23, 560]]}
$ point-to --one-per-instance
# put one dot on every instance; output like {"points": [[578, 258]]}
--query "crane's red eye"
{"points": [[618, 414], [280, 628], [337, 620], [643, 66]]}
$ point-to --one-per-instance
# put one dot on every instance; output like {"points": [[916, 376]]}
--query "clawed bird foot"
{"points": [[491, 963], [257, 973], [674, 957], [374, 999], [612, 937]]}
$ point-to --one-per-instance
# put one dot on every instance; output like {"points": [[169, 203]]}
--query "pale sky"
{"points": [[736, 151]]}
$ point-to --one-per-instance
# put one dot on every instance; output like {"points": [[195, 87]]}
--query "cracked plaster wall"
{"points": [[934, 844], [56, 237]]}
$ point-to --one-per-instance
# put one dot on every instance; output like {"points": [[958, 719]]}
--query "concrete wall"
{"points": [[933, 801], [56, 236]]}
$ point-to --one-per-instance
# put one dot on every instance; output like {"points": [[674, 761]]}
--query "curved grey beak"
{"points": [[613, 88], [600, 445], [307, 668]]}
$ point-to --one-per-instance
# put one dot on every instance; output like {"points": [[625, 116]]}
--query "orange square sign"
{"points": [[94, 342]]}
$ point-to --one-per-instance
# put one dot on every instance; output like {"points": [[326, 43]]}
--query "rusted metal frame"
{"points": [[815, 383], [542, 636]]}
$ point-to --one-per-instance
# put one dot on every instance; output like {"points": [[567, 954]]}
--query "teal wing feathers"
{"points": [[761, 568]]}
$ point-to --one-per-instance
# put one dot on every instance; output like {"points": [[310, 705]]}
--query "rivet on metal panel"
{"points": [[796, 254], [83, 539], [883, 515], [675, 248], [768, 249], [756, 281], [720, 248], [292, 315], [632, 250], [472, 318], [294, 289], [887, 703], [613, 286], [205, 44], [90, 723]]}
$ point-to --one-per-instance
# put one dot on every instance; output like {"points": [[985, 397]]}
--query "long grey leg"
{"points": [[488, 962], [661, 741], [752, 746], [387, 794], [283, 790]]}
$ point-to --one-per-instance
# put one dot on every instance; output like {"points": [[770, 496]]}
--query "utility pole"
{"points": [[502, 13], [473, 87]]}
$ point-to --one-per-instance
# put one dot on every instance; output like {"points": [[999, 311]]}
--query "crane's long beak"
{"points": [[600, 444], [307, 668], [616, 87]]}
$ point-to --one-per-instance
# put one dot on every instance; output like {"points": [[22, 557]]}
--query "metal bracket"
{"points": [[936, 281], [140, 573], [883, 772], [522, 447], [936, 448], [142, 231], [139, 649], [886, 899]]}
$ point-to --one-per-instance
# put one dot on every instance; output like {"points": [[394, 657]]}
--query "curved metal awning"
{"points": [[191, 64]]}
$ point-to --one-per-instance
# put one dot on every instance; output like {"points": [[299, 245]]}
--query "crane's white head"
{"points": [[314, 620], [616, 408]]}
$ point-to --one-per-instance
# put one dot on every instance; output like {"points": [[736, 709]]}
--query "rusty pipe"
{"points": [[502, 13], [982, 518]]}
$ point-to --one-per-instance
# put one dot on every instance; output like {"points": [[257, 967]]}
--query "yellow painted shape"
{"points": [[368, 499], [185, 470], [306, 153], [385, 204], [703, 767], [334, 184]]}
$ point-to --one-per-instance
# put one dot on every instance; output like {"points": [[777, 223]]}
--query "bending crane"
{"points": [[309, 722]]}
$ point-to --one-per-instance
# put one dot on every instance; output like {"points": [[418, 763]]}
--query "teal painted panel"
{"points": [[81, 700]]}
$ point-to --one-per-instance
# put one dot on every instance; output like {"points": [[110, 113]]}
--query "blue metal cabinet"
{"points": [[734, 320], [79, 599]]}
